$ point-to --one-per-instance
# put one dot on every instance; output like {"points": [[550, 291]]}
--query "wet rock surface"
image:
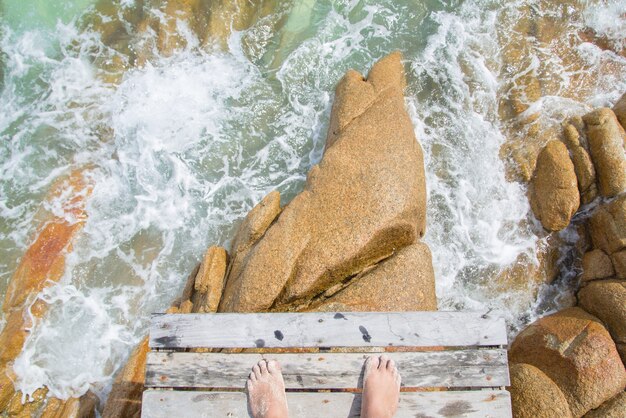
{"points": [[42, 264]]}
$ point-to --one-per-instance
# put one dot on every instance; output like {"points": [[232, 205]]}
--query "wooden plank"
{"points": [[459, 368], [473, 404], [347, 329]]}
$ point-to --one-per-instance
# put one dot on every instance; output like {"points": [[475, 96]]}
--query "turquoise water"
{"points": [[41, 14], [180, 149]]}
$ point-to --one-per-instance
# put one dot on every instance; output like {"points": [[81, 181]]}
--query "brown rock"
{"points": [[596, 265], [585, 172], [17, 408], [186, 306], [619, 264], [620, 110], [608, 226], [554, 194], [621, 349], [571, 136], [254, 225], [125, 397], [13, 336], [210, 280], [590, 194], [606, 145], [6, 389], [409, 273], [189, 284], [535, 395], [574, 350], [613, 408], [83, 407], [606, 299], [365, 200]]}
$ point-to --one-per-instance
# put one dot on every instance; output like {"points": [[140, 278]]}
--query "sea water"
{"points": [[183, 147]]}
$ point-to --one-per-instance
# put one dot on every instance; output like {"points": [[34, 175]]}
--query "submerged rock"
{"points": [[535, 395], [42, 264], [574, 350], [554, 196], [364, 201]]}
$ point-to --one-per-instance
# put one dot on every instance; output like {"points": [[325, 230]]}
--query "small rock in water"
{"points": [[554, 195], [606, 145]]}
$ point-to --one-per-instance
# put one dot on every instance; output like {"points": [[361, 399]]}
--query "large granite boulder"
{"points": [[535, 395], [608, 226], [613, 408], [573, 349], [596, 265], [606, 299], [554, 195], [364, 201], [404, 282], [606, 144]]}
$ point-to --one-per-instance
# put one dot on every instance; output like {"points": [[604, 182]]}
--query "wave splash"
{"points": [[183, 147]]}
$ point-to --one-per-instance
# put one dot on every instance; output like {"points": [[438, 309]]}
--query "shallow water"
{"points": [[183, 147]]}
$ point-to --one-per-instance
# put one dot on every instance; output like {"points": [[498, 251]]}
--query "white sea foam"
{"points": [[198, 138], [608, 19], [475, 224]]}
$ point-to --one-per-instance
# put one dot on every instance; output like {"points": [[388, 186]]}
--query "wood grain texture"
{"points": [[346, 329], [473, 404], [459, 368]]}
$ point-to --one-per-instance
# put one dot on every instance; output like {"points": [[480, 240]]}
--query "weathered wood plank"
{"points": [[347, 329], [473, 404], [459, 368]]}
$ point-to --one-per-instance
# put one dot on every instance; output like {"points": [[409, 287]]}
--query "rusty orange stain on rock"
{"points": [[45, 259], [42, 262]]}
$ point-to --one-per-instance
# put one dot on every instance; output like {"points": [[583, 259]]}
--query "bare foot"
{"points": [[266, 391], [381, 388]]}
